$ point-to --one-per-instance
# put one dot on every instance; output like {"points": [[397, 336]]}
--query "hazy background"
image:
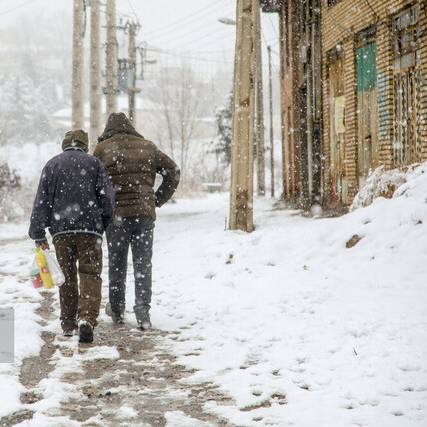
{"points": [[189, 83]]}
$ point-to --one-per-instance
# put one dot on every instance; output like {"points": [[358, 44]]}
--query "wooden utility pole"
{"points": [[95, 74], [310, 121], [270, 92], [259, 124], [111, 59], [241, 194], [77, 87], [132, 29]]}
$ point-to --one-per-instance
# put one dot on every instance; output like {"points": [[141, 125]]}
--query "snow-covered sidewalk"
{"points": [[16, 292], [299, 329], [295, 327]]}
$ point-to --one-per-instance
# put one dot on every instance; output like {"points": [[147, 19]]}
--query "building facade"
{"points": [[301, 106], [374, 68], [354, 93]]}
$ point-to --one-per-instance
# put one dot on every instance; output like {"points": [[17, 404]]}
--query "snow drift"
{"points": [[298, 328]]}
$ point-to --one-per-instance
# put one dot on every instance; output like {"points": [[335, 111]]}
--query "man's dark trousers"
{"points": [[80, 255], [136, 232]]}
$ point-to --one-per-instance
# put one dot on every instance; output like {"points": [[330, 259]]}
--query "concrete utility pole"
{"points": [[241, 194], [259, 124], [132, 29], [111, 59], [270, 86], [95, 74], [77, 87]]}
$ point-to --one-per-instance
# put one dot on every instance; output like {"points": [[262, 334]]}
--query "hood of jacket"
{"points": [[118, 123]]}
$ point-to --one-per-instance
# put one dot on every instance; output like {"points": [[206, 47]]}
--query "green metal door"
{"points": [[367, 126], [366, 58]]}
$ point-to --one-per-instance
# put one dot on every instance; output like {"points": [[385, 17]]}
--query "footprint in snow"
{"points": [[279, 398], [409, 368]]}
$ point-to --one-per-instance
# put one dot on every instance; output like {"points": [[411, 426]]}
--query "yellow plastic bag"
{"points": [[48, 269], [41, 261]]}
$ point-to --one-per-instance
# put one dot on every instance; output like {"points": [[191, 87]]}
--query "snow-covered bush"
{"points": [[11, 207]]}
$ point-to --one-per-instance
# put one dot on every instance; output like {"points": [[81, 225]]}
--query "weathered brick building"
{"points": [[354, 87], [300, 76], [374, 67]]}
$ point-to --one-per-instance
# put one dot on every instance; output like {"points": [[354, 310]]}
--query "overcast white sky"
{"points": [[188, 28]]}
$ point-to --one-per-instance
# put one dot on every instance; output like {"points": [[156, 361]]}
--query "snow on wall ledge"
{"points": [[296, 327]]}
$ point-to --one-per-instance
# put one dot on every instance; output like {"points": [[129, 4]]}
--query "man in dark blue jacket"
{"points": [[75, 201]]}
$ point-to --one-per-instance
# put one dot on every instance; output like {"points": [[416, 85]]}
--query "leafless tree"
{"points": [[179, 95]]}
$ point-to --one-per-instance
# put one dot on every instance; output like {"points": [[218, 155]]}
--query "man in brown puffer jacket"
{"points": [[132, 163]]}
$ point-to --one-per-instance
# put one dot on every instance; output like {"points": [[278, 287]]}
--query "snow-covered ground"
{"points": [[16, 292], [299, 329]]}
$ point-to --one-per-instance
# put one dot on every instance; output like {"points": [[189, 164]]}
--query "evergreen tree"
{"points": [[25, 110], [224, 116]]}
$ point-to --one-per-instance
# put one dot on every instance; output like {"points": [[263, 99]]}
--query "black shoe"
{"points": [[116, 317], [85, 332], [144, 322], [68, 328]]}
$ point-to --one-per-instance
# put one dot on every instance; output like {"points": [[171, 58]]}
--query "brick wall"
{"points": [[423, 53], [340, 24]]}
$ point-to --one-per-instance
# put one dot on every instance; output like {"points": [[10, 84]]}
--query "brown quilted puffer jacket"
{"points": [[132, 163]]}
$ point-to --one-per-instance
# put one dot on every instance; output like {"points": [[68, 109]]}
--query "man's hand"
{"points": [[44, 245]]}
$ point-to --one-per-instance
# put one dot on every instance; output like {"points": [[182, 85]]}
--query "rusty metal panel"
{"points": [[406, 86], [337, 125], [406, 137]]}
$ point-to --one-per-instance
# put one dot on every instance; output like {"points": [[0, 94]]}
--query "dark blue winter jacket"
{"points": [[75, 195]]}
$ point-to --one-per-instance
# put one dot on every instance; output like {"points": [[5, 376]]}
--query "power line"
{"points": [[212, 29], [212, 35], [183, 22], [17, 7], [193, 58], [187, 55], [133, 10]]}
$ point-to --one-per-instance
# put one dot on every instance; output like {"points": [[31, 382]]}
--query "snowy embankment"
{"points": [[298, 328], [16, 292]]}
